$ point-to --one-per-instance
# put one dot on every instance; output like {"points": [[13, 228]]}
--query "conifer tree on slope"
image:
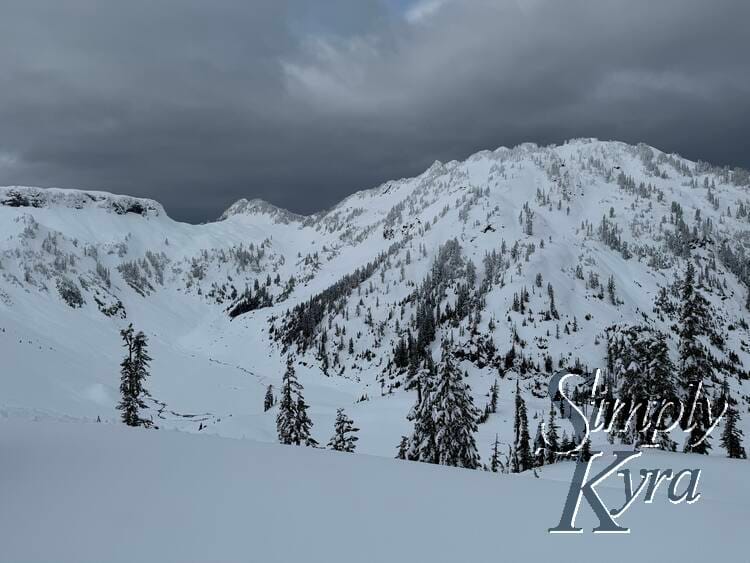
{"points": [[522, 459], [403, 448], [344, 435], [633, 389], [660, 370], [422, 440], [585, 454], [268, 400], [495, 463], [286, 418], [494, 396], [455, 417], [694, 364], [692, 444], [292, 422], [552, 442], [538, 447], [412, 379], [133, 373], [445, 420], [731, 435], [415, 377], [305, 424]]}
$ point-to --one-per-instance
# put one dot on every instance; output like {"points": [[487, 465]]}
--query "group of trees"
{"points": [[610, 234], [300, 324], [445, 418], [641, 370], [250, 301], [547, 447], [293, 424]]}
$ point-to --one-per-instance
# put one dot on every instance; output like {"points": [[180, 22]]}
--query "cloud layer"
{"points": [[199, 103]]}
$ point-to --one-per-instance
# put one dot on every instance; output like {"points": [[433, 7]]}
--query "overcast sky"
{"points": [[197, 103]]}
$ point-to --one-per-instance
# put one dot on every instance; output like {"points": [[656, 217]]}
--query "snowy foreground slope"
{"points": [[94, 492]]}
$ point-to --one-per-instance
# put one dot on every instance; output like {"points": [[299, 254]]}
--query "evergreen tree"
{"points": [[413, 377], [699, 430], [638, 357], [552, 442], [659, 369], [629, 369], [539, 447], [494, 395], [446, 420], [305, 424], [133, 373], [584, 455], [455, 418], [522, 458], [552, 308], [731, 436], [565, 445], [292, 422], [694, 364], [495, 463], [268, 401], [344, 435], [286, 419], [612, 290], [403, 448], [422, 440]]}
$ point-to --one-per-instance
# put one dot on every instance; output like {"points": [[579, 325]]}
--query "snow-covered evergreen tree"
{"points": [[495, 463], [694, 364], [494, 396], [539, 446], [659, 369], [422, 445], [133, 373], [552, 441], [522, 458], [268, 400], [731, 435], [584, 453], [293, 425], [305, 424], [455, 417], [638, 358], [403, 448], [344, 435], [693, 444], [446, 420]]}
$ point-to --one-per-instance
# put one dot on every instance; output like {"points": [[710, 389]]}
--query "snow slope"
{"points": [[76, 267], [96, 492]]}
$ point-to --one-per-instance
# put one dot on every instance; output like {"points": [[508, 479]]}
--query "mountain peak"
{"points": [[258, 206], [25, 196]]}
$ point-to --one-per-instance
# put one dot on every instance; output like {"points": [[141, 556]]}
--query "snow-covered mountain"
{"points": [[527, 259]]}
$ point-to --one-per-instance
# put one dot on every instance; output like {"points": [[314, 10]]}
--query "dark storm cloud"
{"points": [[198, 103]]}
